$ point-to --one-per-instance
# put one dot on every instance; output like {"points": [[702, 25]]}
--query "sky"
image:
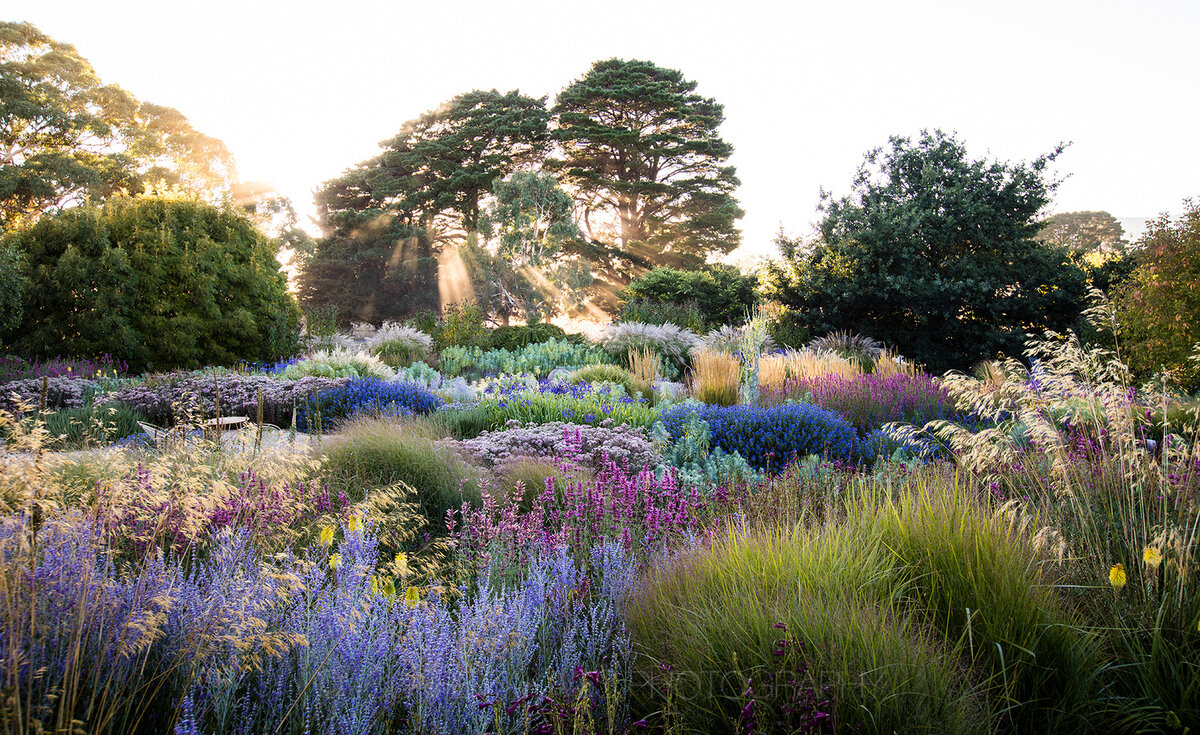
{"points": [[300, 91]]}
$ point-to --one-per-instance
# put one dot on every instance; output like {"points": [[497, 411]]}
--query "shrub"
{"points": [[338, 363], [513, 338], [460, 325], [716, 378], [373, 452], [321, 320], [1157, 305], [721, 293], [61, 393], [604, 374], [364, 397], [537, 359], [699, 463], [575, 404], [770, 437], [587, 446], [150, 281], [685, 314], [164, 401]]}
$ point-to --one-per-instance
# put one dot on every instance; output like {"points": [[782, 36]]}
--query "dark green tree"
{"points": [[722, 293], [158, 283], [13, 283], [934, 253], [66, 138], [386, 221], [641, 150]]}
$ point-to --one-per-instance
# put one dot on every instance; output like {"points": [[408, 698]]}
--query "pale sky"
{"points": [[300, 91]]}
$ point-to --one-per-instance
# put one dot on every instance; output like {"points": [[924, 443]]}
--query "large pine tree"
{"points": [[640, 148]]}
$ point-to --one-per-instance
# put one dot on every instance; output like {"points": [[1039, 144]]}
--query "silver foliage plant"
{"points": [[587, 446], [668, 340], [409, 337]]}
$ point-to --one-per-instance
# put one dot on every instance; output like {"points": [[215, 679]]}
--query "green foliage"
{"points": [[536, 359], [13, 283], [641, 147], [1086, 232], [516, 337], [532, 406], [154, 282], [1158, 308], [685, 314], [699, 463], [613, 374], [338, 363], [82, 428], [375, 453], [386, 220], [721, 293], [935, 254], [321, 319], [460, 325], [924, 614], [69, 139], [787, 330]]}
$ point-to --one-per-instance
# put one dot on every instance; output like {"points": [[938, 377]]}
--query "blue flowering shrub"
{"points": [[364, 396], [536, 359], [767, 438]]}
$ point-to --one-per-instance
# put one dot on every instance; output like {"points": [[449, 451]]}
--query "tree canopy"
{"points": [[385, 221], [66, 138], [935, 254], [1159, 304], [641, 149], [1089, 232], [159, 283]]}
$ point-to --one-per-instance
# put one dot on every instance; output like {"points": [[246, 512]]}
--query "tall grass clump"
{"points": [[612, 374], [924, 614], [776, 370], [338, 363], [673, 344], [370, 453], [1070, 449], [94, 426], [644, 366], [706, 629], [716, 377], [400, 346]]}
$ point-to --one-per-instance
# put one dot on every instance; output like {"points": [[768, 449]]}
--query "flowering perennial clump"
{"points": [[589, 446], [364, 397], [771, 437]]}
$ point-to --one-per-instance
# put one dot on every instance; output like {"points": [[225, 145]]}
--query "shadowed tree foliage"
{"points": [[158, 283], [640, 148], [530, 268], [934, 253], [1089, 232], [1158, 306], [386, 221], [66, 138], [722, 294]]}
